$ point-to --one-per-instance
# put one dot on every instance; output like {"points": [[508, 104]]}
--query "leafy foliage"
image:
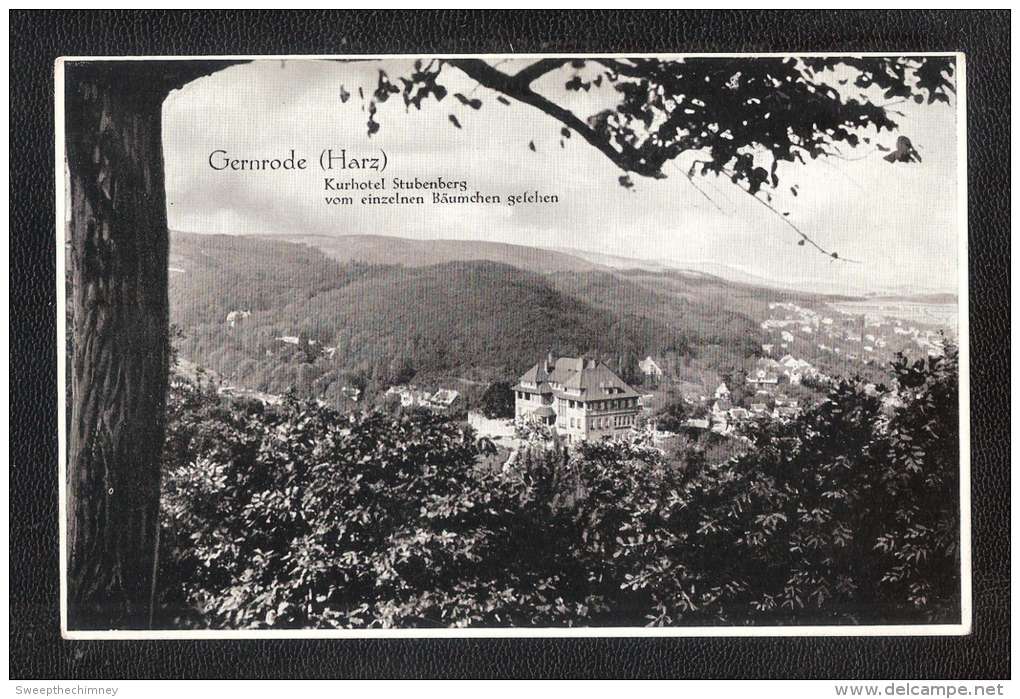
{"points": [[740, 119], [498, 400], [302, 517], [672, 416], [850, 513], [729, 109]]}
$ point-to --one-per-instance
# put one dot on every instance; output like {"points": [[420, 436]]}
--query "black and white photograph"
{"points": [[558, 344]]}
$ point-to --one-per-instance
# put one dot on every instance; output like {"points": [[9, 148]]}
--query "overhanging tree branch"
{"points": [[532, 72], [518, 89]]}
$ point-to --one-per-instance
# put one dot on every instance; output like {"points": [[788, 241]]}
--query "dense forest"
{"points": [[297, 516], [364, 325]]}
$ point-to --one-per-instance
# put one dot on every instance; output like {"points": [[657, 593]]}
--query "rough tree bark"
{"points": [[119, 306], [119, 366]]}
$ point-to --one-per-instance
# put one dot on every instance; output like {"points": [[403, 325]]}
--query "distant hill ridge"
{"points": [[386, 249], [473, 318], [411, 252], [387, 302], [380, 249]]}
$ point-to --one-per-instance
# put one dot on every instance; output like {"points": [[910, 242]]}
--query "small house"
{"points": [[650, 369], [443, 400]]}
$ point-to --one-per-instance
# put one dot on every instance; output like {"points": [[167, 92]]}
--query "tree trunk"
{"points": [[119, 248]]}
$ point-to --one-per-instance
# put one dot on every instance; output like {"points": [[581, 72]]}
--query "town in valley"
{"points": [[789, 356]]}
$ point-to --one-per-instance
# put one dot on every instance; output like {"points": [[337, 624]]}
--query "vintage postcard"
{"points": [[513, 345]]}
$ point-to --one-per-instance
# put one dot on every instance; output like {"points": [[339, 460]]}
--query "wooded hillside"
{"points": [[474, 319]]}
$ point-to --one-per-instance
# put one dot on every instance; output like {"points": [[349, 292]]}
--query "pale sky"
{"points": [[899, 219]]}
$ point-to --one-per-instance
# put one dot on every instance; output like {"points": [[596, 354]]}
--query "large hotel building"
{"points": [[582, 398]]}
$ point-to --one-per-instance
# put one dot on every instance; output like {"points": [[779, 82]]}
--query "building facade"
{"points": [[651, 370], [582, 398]]}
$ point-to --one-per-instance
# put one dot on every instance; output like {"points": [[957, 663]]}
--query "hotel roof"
{"points": [[593, 379]]}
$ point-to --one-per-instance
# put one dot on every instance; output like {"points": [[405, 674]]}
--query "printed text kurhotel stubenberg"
{"points": [[398, 190]]}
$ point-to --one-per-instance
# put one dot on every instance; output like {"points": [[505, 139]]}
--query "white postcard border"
{"points": [[966, 590]]}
